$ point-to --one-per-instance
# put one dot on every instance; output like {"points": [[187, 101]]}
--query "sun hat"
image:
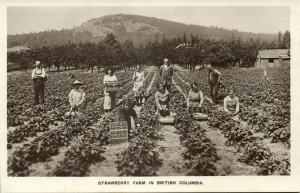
{"points": [[77, 82], [166, 60]]}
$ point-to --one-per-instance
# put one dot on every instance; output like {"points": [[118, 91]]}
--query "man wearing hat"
{"points": [[76, 96], [166, 73], [39, 78]]}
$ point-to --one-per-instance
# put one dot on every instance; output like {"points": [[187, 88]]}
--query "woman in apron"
{"points": [[109, 81], [195, 97], [138, 78], [162, 99]]}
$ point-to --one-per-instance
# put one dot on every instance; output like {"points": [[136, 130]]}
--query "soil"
{"points": [[170, 151], [108, 167], [228, 163]]}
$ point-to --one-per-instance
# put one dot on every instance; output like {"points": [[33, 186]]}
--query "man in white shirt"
{"points": [[39, 77]]}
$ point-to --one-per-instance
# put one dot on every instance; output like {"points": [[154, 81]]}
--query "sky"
{"points": [[262, 19]]}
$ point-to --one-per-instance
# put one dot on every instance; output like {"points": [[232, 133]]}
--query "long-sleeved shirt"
{"points": [[123, 114], [76, 97], [214, 76], [166, 72], [231, 104], [38, 73]]}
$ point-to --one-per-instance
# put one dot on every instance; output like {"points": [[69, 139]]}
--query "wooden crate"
{"points": [[118, 132]]}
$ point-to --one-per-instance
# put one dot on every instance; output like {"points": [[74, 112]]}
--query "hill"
{"points": [[139, 29]]}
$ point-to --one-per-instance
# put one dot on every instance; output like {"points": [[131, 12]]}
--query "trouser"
{"points": [[214, 90], [39, 91], [167, 84]]}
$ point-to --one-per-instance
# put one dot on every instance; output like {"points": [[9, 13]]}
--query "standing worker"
{"points": [[39, 78], [166, 73], [138, 78], [110, 82], [214, 77], [76, 97]]}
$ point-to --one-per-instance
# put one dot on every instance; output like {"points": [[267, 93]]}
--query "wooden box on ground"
{"points": [[118, 132]]}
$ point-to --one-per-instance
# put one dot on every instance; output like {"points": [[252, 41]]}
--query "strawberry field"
{"points": [[42, 141]]}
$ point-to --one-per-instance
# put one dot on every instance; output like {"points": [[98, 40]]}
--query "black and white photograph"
{"points": [[148, 91]]}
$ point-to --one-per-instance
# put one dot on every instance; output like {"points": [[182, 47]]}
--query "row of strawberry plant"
{"points": [[200, 151], [49, 143], [252, 150], [87, 149], [141, 158], [41, 117], [273, 119]]}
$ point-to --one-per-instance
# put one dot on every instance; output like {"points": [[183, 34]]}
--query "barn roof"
{"points": [[17, 49], [274, 53]]}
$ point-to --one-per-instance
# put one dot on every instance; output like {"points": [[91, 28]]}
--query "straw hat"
{"points": [[77, 82], [166, 60]]}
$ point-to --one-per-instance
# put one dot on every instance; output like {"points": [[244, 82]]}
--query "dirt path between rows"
{"points": [[228, 164], [47, 168], [170, 151], [108, 167], [279, 150]]}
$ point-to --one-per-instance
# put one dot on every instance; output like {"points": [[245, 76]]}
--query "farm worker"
{"points": [[214, 77], [265, 72], [166, 73], [39, 78], [231, 103], [125, 112], [138, 78], [195, 97], [109, 80], [162, 98], [76, 96]]}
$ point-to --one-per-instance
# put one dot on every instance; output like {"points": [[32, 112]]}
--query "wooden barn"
{"points": [[272, 58]]}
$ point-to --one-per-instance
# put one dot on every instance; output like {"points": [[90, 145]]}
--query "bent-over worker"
{"points": [[125, 112]]}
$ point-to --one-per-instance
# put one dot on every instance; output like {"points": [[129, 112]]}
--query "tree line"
{"points": [[187, 50]]}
